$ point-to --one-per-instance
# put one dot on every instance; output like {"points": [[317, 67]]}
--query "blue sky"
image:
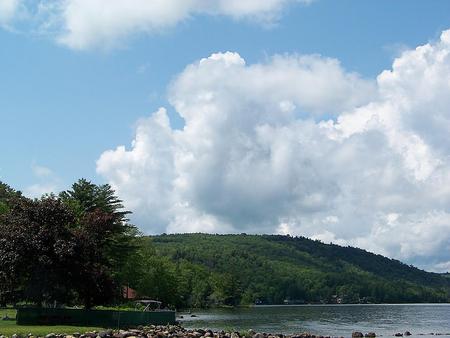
{"points": [[63, 103]]}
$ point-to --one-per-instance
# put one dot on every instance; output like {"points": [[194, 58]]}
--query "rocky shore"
{"points": [[180, 332]]}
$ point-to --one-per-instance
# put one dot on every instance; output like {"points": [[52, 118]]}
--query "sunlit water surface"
{"points": [[333, 320]]}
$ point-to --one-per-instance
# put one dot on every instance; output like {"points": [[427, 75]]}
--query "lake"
{"points": [[333, 320]]}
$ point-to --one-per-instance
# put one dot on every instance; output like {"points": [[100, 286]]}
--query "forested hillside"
{"points": [[247, 269]]}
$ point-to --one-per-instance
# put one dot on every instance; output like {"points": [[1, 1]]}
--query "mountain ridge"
{"points": [[274, 269]]}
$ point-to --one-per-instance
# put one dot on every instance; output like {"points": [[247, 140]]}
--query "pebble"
{"points": [[176, 331]]}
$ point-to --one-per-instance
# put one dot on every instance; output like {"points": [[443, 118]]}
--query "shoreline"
{"points": [[177, 331]]}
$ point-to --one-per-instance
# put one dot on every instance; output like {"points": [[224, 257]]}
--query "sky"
{"points": [[322, 118]]}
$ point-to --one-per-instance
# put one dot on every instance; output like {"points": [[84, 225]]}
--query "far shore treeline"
{"points": [[79, 249]]}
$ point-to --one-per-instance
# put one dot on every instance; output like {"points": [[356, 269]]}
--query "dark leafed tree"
{"points": [[36, 250], [94, 281], [7, 197]]}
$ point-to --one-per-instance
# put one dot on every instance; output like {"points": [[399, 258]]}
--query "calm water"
{"points": [[336, 320]]}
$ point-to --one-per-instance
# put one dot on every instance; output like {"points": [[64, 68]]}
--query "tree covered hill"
{"points": [[271, 269]]}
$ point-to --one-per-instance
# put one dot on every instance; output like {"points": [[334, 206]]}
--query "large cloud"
{"points": [[85, 24], [297, 145]]}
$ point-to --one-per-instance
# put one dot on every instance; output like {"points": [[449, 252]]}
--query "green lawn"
{"points": [[8, 328]]}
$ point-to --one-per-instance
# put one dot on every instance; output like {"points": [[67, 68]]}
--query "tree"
{"points": [[36, 250], [93, 282], [7, 196], [106, 239], [63, 249], [117, 234], [85, 197]]}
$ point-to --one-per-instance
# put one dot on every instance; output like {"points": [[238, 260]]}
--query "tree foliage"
{"points": [[64, 249], [7, 196], [36, 250], [210, 270]]}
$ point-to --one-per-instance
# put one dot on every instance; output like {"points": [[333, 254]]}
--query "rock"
{"points": [[135, 331], [407, 333], [398, 334], [105, 334], [50, 335], [304, 335], [126, 334], [357, 334], [370, 334]]}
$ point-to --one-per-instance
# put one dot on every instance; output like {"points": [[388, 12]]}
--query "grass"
{"points": [[9, 327]]}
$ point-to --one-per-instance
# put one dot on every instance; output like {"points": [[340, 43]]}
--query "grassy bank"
{"points": [[9, 327]]}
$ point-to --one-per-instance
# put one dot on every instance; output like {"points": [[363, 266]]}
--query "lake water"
{"points": [[333, 320]]}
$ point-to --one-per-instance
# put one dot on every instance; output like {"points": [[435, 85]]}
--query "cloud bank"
{"points": [[88, 24], [298, 145]]}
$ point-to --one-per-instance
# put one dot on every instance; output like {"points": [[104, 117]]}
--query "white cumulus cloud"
{"points": [[88, 24], [299, 145]]}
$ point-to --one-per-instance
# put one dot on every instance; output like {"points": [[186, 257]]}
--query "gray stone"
{"points": [[105, 334]]}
